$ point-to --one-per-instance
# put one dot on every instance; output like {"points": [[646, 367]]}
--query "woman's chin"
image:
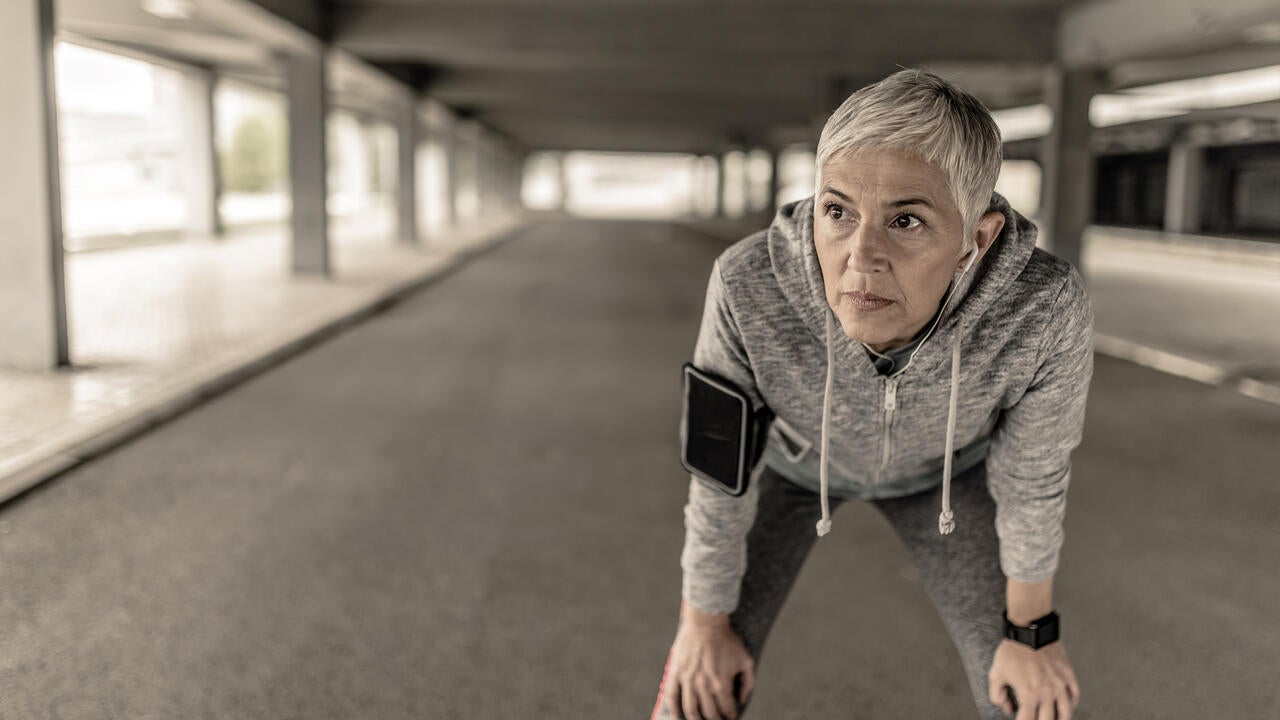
{"points": [[865, 331]]}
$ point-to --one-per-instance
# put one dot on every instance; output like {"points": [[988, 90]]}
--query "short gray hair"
{"points": [[927, 116]]}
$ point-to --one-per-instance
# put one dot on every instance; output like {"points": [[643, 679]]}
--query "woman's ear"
{"points": [[986, 232]]}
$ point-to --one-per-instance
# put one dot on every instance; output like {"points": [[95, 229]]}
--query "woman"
{"points": [[956, 358]]}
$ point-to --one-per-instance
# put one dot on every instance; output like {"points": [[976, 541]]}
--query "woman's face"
{"points": [[884, 224]]}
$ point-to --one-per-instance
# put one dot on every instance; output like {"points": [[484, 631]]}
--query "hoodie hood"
{"points": [[970, 295]]}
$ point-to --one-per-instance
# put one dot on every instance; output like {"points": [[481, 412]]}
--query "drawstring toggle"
{"points": [[946, 523]]}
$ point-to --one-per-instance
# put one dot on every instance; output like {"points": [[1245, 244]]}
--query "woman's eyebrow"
{"points": [[913, 201], [896, 203], [837, 193]]}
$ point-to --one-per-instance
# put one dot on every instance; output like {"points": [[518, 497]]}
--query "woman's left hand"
{"points": [[1042, 680]]}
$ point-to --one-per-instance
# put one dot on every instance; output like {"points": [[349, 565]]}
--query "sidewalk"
{"points": [[1202, 310], [155, 329]]}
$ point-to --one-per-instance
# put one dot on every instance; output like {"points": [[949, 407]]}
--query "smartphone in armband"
{"points": [[721, 436]]}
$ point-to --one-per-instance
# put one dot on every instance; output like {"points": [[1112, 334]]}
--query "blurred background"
{"points": [[339, 346]]}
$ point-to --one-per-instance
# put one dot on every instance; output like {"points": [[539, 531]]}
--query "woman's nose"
{"points": [[866, 249]]}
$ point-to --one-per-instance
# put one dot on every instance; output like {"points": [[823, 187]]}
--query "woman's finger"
{"points": [[1065, 708], [1073, 687], [1026, 708], [1047, 707], [669, 688], [1003, 697], [723, 701], [748, 684], [671, 699], [689, 703]]}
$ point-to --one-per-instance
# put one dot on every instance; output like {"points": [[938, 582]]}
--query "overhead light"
{"points": [[1263, 32], [170, 9], [1020, 123]]}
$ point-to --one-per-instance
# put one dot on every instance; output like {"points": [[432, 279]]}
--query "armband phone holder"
{"points": [[721, 436]]}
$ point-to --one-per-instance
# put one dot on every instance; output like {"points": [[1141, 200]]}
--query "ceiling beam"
{"points": [[636, 108], [707, 80], [662, 37], [1108, 33], [1148, 72], [552, 134]]}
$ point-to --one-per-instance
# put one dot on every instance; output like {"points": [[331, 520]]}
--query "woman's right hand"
{"points": [[706, 656]]}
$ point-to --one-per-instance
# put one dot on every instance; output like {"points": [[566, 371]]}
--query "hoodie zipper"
{"points": [[890, 404]]}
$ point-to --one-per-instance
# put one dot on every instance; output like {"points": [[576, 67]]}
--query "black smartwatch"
{"points": [[1040, 632]]}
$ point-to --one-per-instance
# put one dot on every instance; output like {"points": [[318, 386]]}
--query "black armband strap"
{"points": [[721, 436]]}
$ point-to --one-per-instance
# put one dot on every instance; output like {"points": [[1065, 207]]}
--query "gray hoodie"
{"points": [[1002, 375]]}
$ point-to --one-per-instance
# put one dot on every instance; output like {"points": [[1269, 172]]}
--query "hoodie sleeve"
{"points": [[1029, 462], [716, 525]]}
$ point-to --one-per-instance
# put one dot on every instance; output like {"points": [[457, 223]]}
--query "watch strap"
{"points": [[1036, 634]]}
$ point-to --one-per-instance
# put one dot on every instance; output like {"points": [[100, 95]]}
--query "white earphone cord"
{"points": [[946, 524]]}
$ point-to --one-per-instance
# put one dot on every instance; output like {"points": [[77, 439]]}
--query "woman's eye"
{"points": [[839, 211], [898, 224]]}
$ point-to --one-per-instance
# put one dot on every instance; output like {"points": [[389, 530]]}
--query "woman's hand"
{"points": [[1042, 679], [706, 657]]}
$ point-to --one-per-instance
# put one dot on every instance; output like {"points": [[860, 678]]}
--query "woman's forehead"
{"points": [[885, 173]]}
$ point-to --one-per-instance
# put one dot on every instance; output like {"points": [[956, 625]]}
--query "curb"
{"points": [[1228, 250], [27, 471], [1172, 364]]}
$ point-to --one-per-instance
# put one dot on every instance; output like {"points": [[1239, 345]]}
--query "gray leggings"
{"points": [[961, 571]]}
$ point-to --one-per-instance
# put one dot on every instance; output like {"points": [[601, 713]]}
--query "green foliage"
{"points": [[255, 162]]}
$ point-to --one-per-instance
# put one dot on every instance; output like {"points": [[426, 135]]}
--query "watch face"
{"points": [[1039, 633]]}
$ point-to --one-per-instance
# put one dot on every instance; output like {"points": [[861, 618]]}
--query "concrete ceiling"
{"points": [[690, 75]]}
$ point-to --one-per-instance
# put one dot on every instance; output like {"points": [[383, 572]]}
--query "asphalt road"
{"points": [[470, 506]]}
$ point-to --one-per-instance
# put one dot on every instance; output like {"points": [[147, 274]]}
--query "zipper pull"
{"points": [[891, 394]]}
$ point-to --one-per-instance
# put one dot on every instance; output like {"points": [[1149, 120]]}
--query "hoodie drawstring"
{"points": [[946, 520], [824, 525]]}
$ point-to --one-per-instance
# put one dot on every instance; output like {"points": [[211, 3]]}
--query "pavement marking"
{"points": [[1173, 364]]}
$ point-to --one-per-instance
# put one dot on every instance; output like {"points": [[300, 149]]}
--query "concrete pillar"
{"points": [[497, 176], [515, 171], [201, 182], [33, 306], [707, 167], [1183, 188], [449, 142], [506, 173], [517, 179], [308, 106], [471, 175], [1067, 159], [721, 184], [775, 179], [565, 185], [484, 175], [733, 177], [503, 180], [408, 136], [466, 164], [509, 178]]}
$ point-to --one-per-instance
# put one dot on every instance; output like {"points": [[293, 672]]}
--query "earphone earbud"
{"points": [[973, 255]]}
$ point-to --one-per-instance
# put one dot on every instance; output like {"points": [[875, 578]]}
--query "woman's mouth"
{"points": [[867, 301]]}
